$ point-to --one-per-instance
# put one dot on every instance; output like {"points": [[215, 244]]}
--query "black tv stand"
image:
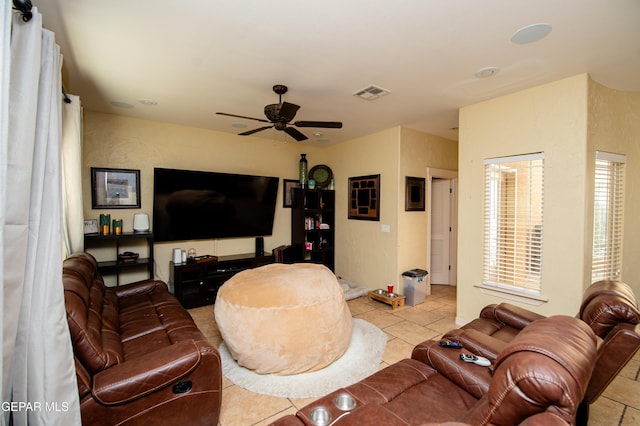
{"points": [[196, 284]]}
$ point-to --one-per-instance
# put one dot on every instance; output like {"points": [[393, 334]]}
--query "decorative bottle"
{"points": [[105, 224], [303, 170]]}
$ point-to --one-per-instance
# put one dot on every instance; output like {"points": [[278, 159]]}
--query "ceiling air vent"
{"points": [[372, 92]]}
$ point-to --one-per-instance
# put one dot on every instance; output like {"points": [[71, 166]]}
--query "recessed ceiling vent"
{"points": [[372, 92]]}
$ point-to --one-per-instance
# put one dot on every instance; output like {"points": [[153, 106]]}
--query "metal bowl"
{"points": [[320, 416], [380, 291], [392, 295], [345, 402], [128, 257]]}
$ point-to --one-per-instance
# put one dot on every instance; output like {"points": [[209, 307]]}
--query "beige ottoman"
{"points": [[284, 319]]}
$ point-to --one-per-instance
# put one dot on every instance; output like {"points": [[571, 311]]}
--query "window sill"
{"points": [[512, 295]]}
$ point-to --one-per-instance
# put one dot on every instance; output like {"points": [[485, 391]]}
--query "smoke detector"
{"points": [[487, 72]]}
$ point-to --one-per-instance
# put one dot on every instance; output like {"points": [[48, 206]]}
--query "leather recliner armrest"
{"points": [[468, 376], [139, 287], [515, 316], [289, 420], [143, 375], [477, 342]]}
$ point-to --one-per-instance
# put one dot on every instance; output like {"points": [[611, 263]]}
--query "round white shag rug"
{"points": [[360, 360]]}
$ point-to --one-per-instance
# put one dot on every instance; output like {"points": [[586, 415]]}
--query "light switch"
{"points": [[386, 228]]}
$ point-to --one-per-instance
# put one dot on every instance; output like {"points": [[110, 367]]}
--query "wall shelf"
{"points": [[115, 266], [313, 225]]}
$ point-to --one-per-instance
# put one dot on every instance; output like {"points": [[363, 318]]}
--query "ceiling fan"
{"points": [[281, 114]]}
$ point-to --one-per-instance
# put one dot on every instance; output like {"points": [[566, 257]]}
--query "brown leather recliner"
{"points": [[140, 359], [609, 307], [535, 380]]}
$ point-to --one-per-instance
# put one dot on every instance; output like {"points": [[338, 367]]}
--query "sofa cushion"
{"points": [[92, 324], [387, 384]]}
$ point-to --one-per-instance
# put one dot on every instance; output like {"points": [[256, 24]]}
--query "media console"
{"points": [[196, 284]]}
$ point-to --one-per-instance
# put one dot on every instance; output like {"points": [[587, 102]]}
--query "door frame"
{"points": [[453, 235]]}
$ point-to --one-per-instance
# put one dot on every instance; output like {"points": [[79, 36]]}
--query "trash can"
{"points": [[416, 286]]}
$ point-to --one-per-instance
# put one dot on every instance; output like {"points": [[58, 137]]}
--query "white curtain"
{"points": [[5, 37], [72, 176], [38, 369]]}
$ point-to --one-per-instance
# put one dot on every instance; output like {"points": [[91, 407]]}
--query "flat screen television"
{"points": [[196, 205]]}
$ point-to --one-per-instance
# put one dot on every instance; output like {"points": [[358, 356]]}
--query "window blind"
{"points": [[513, 216], [608, 209]]}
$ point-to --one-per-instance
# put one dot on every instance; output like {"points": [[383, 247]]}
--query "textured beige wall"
{"points": [[418, 152], [553, 119], [128, 143], [614, 126], [568, 120], [365, 254]]}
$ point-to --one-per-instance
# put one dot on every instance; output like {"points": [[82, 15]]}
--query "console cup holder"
{"points": [[345, 402], [320, 416]]}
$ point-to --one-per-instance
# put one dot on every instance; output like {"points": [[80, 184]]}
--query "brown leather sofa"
{"points": [[609, 307], [139, 357], [535, 380]]}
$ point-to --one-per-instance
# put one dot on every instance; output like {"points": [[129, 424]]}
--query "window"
{"points": [[513, 208], [606, 261]]}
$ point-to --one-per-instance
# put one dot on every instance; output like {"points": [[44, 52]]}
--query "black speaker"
{"points": [[259, 246]]}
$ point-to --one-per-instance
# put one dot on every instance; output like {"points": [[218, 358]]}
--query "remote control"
{"points": [[449, 344], [479, 360]]}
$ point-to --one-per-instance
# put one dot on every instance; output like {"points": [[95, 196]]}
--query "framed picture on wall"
{"points": [[414, 194], [364, 197], [115, 188]]}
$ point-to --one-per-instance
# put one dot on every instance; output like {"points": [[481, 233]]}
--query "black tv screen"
{"points": [[196, 205]]}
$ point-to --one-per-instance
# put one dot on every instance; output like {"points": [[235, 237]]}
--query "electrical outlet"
{"points": [[385, 228]]}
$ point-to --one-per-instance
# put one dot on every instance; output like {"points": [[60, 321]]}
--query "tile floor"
{"points": [[406, 327]]}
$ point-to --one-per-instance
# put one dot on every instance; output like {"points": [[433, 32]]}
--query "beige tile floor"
{"points": [[406, 327]]}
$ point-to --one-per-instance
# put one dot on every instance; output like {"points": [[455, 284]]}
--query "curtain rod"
{"points": [[24, 6]]}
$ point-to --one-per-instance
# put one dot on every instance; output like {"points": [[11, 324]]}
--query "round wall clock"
{"points": [[321, 174]]}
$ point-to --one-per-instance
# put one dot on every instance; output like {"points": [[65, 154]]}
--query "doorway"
{"points": [[442, 239]]}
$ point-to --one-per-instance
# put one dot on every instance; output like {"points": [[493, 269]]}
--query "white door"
{"points": [[440, 230]]}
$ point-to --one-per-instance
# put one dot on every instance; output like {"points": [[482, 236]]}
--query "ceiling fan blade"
{"points": [[324, 124], [250, 132], [295, 133], [288, 111], [242, 116]]}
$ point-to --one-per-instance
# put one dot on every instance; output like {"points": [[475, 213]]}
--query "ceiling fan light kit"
{"points": [[280, 116]]}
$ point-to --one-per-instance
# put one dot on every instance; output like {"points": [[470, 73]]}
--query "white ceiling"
{"points": [[198, 57]]}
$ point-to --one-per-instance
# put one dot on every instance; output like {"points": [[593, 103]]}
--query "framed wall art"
{"points": [[364, 197], [115, 188], [414, 194], [287, 191]]}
